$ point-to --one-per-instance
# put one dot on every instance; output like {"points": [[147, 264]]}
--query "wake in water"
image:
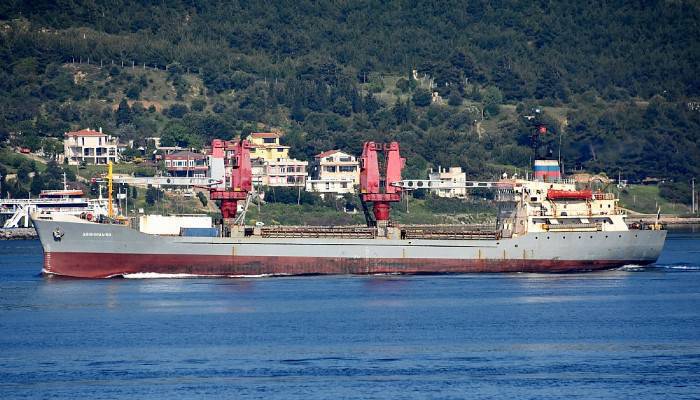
{"points": [[676, 267], [156, 275]]}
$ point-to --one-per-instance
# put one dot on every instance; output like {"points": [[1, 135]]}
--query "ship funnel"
{"points": [[547, 170]]}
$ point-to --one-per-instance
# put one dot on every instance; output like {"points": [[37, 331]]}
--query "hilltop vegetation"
{"points": [[617, 81]]}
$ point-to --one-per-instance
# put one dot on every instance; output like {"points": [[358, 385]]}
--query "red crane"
{"points": [[377, 189], [240, 179]]}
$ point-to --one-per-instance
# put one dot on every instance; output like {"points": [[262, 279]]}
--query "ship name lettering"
{"points": [[97, 234]]}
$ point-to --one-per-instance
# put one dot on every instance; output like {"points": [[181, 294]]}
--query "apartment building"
{"points": [[334, 172], [266, 145], [187, 164], [452, 175], [90, 146], [286, 172]]}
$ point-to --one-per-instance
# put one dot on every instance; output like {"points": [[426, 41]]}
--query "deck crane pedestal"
{"points": [[375, 188]]}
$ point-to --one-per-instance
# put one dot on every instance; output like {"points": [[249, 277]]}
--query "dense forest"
{"points": [[615, 82]]}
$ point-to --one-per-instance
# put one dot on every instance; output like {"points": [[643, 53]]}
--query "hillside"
{"points": [[616, 81]]}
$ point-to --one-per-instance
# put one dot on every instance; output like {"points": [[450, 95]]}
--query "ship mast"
{"points": [[110, 211]]}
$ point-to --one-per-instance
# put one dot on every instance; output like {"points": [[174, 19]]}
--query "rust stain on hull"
{"points": [[83, 265]]}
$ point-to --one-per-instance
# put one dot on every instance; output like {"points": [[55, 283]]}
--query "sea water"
{"points": [[627, 333]]}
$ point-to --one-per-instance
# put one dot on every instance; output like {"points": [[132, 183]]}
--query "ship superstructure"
{"points": [[545, 225]]}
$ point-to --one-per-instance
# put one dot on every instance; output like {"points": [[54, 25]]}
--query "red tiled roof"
{"points": [[326, 153], [265, 135], [85, 132], [184, 155]]}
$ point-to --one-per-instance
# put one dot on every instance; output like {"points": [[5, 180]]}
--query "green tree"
{"points": [[371, 105], [177, 110], [422, 97], [403, 85], [4, 135], [198, 105], [153, 195], [202, 199], [177, 134], [37, 184], [401, 111], [454, 99], [23, 173], [133, 92], [492, 99], [297, 112], [342, 106], [218, 108], [123, 113]]}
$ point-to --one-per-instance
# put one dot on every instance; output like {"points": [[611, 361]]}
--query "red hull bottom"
{"points": [[101, 265]]}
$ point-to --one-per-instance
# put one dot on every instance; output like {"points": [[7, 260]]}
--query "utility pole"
{"points": [[126, 203], [692, 194]]}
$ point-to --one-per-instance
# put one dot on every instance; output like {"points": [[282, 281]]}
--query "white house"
{"points": [[334, 172], [453, 175], [90, 146]]}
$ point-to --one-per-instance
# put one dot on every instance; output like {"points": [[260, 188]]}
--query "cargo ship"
{"points": [[545, 224]]}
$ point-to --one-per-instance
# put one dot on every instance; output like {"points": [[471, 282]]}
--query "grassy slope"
{"points": [[645, 199], [8, 158], [159, 92], [92, 171]]}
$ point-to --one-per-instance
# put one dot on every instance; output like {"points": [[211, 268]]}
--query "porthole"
{"points": [[579, 237], [547, 237], [619, 236]]}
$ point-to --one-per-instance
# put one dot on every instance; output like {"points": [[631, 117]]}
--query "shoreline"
{"points": [[18, 233], [664, 219]]}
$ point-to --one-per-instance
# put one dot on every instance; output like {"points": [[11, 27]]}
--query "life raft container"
{"points": [[553, 194]]}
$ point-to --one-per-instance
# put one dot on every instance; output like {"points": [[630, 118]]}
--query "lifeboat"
{"points": [[569, 194]]}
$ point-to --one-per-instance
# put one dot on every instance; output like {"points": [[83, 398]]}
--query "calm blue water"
{"points": [[631, 333]]}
